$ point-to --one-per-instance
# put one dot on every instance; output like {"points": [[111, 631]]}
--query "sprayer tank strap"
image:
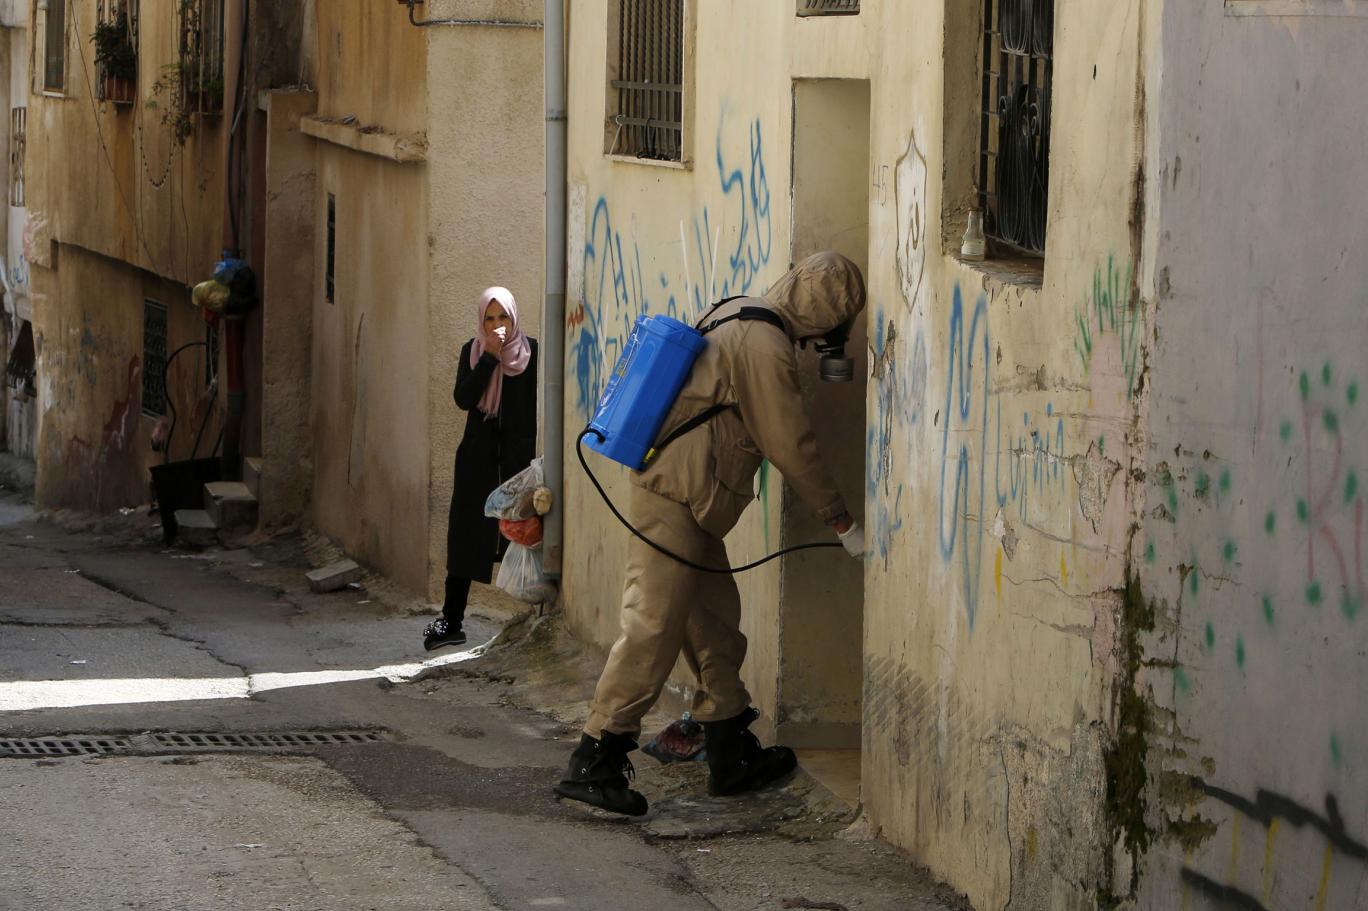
{"points": [[745, 314], [758, 314]]}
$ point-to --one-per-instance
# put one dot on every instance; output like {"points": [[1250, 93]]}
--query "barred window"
{"points": [[1014, 126], [201, 55], [18, 141], [154, 359], [646, 79], [54, 46], [828, 7], [116, 50]]}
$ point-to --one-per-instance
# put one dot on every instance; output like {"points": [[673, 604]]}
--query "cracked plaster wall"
{"points": [[369, 373], [1000, 421], [1253, 510]]}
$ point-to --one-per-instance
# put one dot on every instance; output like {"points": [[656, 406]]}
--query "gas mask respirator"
{"points": [[835, 367]]}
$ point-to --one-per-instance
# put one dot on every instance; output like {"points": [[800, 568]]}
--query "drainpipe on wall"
{"points": [[553, 312], [234, 327]]}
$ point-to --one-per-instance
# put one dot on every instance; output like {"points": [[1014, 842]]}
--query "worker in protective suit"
{"points": [[688, 497]]}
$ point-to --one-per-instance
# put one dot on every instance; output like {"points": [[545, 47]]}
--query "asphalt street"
{"points": [[198, 731]]}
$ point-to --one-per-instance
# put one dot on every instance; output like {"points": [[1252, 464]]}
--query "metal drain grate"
{"points": [[63, 746], [275, 740]]}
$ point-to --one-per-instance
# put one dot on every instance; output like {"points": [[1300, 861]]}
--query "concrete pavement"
{"points": [[447, 806]]}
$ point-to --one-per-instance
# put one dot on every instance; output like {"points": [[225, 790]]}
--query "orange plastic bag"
{"points": [[527, 532]]}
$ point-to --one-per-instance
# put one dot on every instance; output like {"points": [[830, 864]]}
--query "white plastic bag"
{"points": [[521, 575], [513, 498]]}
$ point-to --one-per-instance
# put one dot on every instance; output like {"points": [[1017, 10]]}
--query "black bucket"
{"points": [[180, 485]]}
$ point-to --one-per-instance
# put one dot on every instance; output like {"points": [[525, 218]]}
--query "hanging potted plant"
{"points": [[116, 58]]}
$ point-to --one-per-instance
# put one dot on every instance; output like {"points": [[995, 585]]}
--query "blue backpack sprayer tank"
{"points": [[654, 365]]}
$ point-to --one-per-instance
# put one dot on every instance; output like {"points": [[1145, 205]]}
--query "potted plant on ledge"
{"points": [[201, 89], [116, 58]]}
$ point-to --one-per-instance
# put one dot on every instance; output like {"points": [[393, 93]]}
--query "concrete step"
{"points": [[231, 505], [334, 576], [194, 527], [251, 475]]}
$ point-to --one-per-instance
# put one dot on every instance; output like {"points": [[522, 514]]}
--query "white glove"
{"points": [[853, 539]]}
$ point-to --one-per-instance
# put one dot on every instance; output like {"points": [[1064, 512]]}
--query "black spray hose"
{"points": [[170, 400], [579, 451]]}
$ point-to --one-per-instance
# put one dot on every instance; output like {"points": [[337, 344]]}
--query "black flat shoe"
{"points": [[440, 633]]}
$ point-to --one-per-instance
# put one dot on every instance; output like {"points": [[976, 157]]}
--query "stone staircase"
{"points": [[230, 510]]}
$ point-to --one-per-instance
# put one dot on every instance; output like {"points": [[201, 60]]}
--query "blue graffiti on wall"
{"points": [[615, 291], [966, 416], [900, 400], [1036, 462]]}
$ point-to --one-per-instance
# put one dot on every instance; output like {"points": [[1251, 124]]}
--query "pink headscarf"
{"points": [[513, 357]]}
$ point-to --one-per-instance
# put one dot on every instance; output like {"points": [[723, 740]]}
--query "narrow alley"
{"points": [[745, 455], [311, 789]]}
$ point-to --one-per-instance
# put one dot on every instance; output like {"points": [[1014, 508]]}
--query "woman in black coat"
{"points": [[496, 384]]}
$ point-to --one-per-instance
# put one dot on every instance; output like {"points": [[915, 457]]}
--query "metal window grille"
{"points": [[1014, 127], [648, 121], [154, 359], [110, 12], [18, 143], [828, 7], [201, 55], [54, 46], [329, 280]]}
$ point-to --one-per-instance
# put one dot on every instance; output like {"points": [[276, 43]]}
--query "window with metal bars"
{"points": [[154, 359], [828, 7], [201, 55], [54, 46], [1014, 125], [18, 141], [646, 79], [116, 50]]}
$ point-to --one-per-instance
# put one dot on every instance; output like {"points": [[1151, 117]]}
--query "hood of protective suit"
{"points": [[818, 294]]}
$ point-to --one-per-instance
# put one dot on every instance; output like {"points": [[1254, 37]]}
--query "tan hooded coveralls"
{"points": [[695, 490]]}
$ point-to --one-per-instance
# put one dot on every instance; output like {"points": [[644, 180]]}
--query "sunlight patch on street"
{"points": [[27, 695]]}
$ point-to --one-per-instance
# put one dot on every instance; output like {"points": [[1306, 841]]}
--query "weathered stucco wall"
{"points": [[661, 239], [1000, 413], [110, 179], [486, 190], [288, 273], [370, 434], [90, 368], [1253, 528]]}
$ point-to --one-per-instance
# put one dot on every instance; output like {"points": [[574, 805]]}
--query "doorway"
{"points": [[821, 612]]}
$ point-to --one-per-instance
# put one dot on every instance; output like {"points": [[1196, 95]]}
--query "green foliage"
{"points": [[114, 51]]}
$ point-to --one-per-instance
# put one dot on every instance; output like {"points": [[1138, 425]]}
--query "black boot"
{"points": [[598, 775], [736, 761]]}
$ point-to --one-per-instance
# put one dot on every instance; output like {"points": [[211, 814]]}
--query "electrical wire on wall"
{"points": [[134, 217], [236, 176]]}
